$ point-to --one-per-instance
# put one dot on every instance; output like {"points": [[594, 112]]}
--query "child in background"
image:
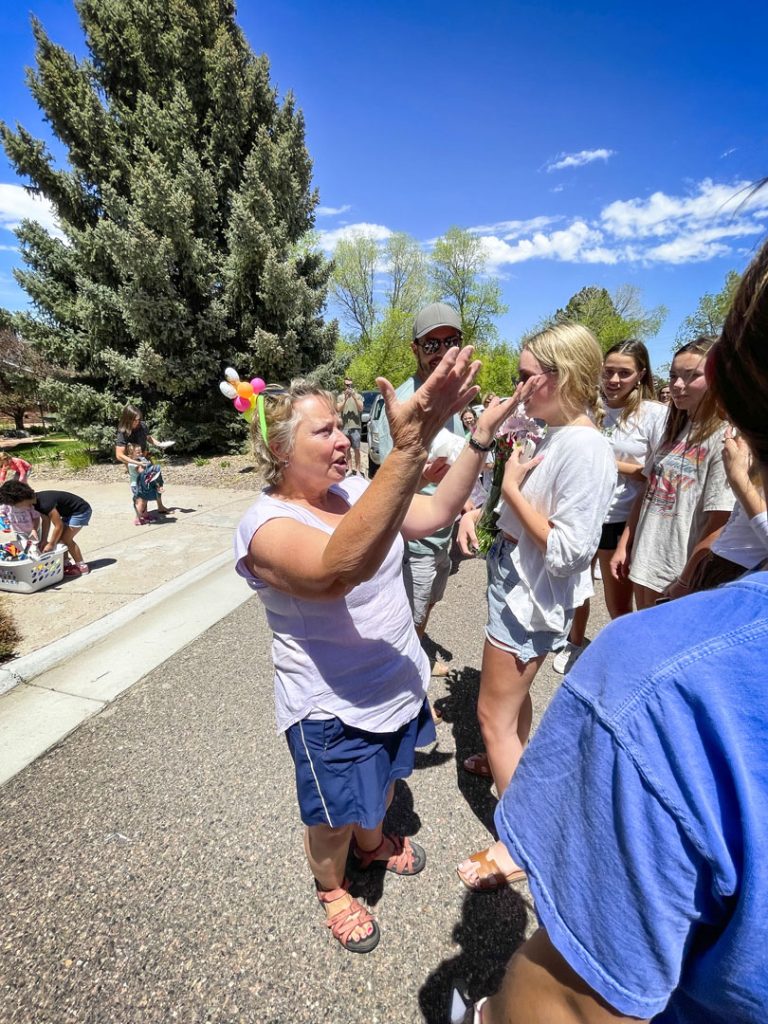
{"points": [[67, 514], [146, 484], [17, 507], [19, 468]]}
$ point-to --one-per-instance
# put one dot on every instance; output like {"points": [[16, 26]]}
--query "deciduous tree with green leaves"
{"points": [[612, 317], [457, 271], [709, 316], [183, 212]]}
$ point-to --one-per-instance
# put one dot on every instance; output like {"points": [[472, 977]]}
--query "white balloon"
{"points": [[231, 374], [227, 390]]}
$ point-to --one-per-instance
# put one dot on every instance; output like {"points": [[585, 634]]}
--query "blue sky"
{"points": [[591, 143]]}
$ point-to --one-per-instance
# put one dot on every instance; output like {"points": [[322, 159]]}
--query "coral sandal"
{"points": [[396, 853], [490, 875], [348, 917]]}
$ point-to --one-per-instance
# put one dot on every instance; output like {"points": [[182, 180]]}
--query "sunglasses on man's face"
{"points": [[431, 345]]}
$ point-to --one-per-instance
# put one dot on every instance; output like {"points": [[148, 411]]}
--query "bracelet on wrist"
{"points": [[474, 443]]}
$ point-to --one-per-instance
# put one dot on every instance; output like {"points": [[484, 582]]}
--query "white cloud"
{"points": [[660, 213], [510, 229], [577, 243], [662, 228], [557, 188], [728, 152], [584, 156], [332, 211], [16, 205], [328, 240]]}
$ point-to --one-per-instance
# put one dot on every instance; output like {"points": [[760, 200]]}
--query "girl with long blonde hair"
{"points": [[552, 510]]}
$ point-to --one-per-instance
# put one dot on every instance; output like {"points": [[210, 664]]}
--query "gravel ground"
{"points": [[234, 472]]}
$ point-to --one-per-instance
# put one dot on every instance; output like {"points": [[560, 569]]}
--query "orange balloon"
{"points": [[244, 389]]}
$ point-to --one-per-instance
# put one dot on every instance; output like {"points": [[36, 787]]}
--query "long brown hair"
{"points": [[738, 366], [643, 390], [127, 417], [706, 419]]}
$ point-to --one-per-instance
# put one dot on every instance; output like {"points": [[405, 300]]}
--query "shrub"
{"points": [[9, 635]]}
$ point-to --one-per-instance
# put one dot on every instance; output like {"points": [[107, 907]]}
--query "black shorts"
{"points": [[610, 537]]}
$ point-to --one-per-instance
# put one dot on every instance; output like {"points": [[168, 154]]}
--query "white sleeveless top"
{"points": [[356, 657]]}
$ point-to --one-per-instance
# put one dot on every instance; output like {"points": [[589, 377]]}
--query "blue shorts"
{"points": [[81, 519], [343, 774], [503, 630]]}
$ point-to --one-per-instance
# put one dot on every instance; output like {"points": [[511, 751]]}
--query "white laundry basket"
{"points": [[31, 574]]}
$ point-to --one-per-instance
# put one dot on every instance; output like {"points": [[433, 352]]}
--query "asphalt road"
{"points": [[153, 867]]}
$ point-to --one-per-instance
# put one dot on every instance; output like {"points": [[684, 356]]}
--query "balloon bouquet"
{"points": [[245, 396]]}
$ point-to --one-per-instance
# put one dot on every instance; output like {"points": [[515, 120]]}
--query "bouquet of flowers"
{"points": [[512, 433]]}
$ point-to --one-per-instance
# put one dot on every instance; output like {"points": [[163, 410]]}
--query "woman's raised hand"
{"points": [[414, 423], [491, 419]]}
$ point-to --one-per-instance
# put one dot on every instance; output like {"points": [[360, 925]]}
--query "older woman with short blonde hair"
{"points": [[324, 554]]}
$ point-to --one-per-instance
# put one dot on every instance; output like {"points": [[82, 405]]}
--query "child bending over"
{"points": [[18, 468], [17, 506]]}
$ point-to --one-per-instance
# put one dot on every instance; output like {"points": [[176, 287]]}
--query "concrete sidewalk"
{"points": [[127, 562]]}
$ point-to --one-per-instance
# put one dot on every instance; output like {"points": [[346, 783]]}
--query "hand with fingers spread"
{"points": [[491, 418], [414, 423]]}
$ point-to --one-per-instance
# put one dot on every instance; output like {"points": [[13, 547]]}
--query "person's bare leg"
{"points": [[326, 849], [579, 627], [504, 710], [370, 838], [644, 596], [140, 505], [357, 459], [68, 538], [618, 593]]}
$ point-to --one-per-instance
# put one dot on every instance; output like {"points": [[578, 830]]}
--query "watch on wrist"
{"points": [[473, 443]]}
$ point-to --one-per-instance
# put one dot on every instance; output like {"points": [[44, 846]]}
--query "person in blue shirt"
{"points": [[639, 809]]}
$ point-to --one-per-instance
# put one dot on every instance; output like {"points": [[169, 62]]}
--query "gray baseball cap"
{"points": [[436, 314]]}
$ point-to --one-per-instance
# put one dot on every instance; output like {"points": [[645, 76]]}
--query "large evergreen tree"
{"points": [[184, 211]]}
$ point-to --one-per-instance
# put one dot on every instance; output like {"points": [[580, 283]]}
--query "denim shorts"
{"points": [[503, 630], [354, 437], [78, 521]]}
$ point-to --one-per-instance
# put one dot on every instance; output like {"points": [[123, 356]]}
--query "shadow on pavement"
{"points": [[401, 819], [492, 926], [459, 710], [100, 563]]}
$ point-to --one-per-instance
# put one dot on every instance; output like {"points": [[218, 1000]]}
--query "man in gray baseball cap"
{"points": [[427, 562]]}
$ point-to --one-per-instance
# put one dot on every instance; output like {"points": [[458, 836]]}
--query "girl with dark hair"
{"points": [[687, 500], [633, 422]]}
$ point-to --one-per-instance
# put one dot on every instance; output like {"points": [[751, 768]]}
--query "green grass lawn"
{"points": [[57, 447]]}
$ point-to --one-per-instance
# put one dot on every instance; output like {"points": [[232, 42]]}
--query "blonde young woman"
{"points": [[687, 500], [552, 511], [633, 422]]}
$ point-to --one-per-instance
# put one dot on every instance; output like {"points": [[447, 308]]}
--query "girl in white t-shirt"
{"points": [[552, 510], [687, 500], [633, 422]]}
